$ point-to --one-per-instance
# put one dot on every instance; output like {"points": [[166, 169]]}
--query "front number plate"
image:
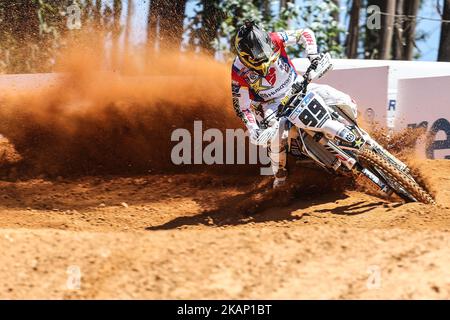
{"points": [[310, 113]]}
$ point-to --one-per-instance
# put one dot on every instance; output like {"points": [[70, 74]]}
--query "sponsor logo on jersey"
{"points": [[252, 77], [283, 65], [266, 87], [284, 36], [272, 76], [235, 87], [258, 86], [279, 89]]}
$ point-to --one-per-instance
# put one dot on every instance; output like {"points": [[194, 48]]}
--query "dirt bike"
{"points": [[351, 150]]}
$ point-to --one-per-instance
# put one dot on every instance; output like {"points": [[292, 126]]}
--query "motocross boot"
{"points": [[280, 178]]}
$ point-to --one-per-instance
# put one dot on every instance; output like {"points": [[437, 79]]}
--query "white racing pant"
{"points": [[278, 146]]}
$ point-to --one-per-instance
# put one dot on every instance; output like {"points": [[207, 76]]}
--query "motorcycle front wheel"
{"points": [[407, 182]]}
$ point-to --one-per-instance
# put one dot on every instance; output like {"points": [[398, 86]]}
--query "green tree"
{"points": [[397, 36], [26, 39], [32, 32], [227, 15], [320, 17]]}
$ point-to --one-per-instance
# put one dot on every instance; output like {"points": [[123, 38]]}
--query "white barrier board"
{"points": [[367, 86], [425, 102]]}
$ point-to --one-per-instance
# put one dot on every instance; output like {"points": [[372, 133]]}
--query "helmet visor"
{"points": [[257, 48], [260, 53]]}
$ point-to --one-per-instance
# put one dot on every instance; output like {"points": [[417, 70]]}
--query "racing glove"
{"points": [[254, 134], [314, 60], [261, 137]]}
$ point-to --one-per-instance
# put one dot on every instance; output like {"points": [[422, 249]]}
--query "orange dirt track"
{"points": [[77, 195], [195, 236]]}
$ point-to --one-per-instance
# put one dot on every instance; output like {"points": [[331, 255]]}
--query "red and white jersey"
{"points": [[250, 88]]}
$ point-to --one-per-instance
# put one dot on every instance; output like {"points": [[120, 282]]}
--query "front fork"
{"points": [[375, 179], [351, 163], [355, 138]]}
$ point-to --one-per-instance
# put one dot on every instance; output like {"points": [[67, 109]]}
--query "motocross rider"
{"points": [[262, 75]]}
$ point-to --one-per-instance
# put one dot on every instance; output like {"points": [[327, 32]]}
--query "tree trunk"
{"points": [[398, 41], [411, 8], [171, 24], [21, 20], [387, 30], [130, 12], [444, 44], [98, 19], [115, 54], [267, 12], [117, 13], [167, 18], [353, 30], [210, 24], [19, 34], [152, 27]]}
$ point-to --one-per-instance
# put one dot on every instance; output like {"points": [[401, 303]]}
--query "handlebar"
{"points": [[306, 80], [296, 89]]}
